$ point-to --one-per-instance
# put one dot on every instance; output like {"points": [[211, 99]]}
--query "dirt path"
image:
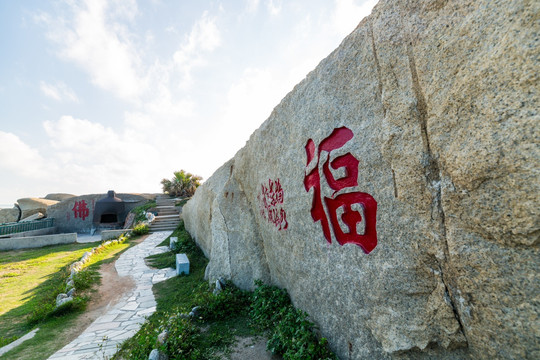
{"points": [[250, 348], [110, 290]]}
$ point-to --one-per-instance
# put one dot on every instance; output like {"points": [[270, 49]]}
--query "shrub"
{"points": [[182, 184], [141, 229], [85, 279], [291, 333], [267, 303], [228, 303], [183, 341]]}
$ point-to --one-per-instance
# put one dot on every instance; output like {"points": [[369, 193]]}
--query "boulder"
{"points": [[9, 215], [155, 354], [30, 206], [33, 217], [394, 192], [59, 197]]}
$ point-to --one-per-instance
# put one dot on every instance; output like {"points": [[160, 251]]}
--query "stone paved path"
{"points": [[124, 319]]}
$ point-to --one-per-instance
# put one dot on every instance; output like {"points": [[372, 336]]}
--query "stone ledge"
{"points": [[36, 241]]}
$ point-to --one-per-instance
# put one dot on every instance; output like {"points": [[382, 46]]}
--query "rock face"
{"points": [[59, 196], [9, 215], [76, 214], [31, 206], [394, 192]]}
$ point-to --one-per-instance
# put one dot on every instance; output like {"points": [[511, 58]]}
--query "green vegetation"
{"points": [[291, 333], [219, 317], [182, 184], [29, 279], [141, 229], [30, 300], [140, 211], [182, 202]]}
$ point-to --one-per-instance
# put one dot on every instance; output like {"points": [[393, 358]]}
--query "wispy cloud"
{"points": [[274, 7], [93, 34], [203, 39], [19, 158], [58, 92]]}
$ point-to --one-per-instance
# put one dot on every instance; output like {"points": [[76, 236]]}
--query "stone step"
{"points": [[166, 224], [170, 228], [167, 212]]}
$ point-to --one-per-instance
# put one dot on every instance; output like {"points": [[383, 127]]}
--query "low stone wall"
{"points": [[394, 192], [46, 231], [36, 241], [112, 234]]}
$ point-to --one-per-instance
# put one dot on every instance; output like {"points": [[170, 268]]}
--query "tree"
{"points": [[182, 184]]}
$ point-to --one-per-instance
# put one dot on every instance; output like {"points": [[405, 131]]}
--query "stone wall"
{"points": [[77, 213], [394, 192], [28, 242]]}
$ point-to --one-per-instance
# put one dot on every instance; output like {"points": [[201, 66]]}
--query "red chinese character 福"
{"points": [[345, 200], [80, 209]]}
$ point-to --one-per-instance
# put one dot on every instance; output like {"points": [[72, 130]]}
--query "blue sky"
{"points": [[118, 94]]}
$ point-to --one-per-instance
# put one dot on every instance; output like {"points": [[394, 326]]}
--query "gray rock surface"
{"points": [[75, 214], [33, 217], [31, 206], [9, 215], [435, 103], [59, 196], [61, 299], [155, 354]]}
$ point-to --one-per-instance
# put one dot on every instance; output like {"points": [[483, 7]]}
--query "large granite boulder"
{"points": [[31, 206], [59, 196], [394, 192], [9, 215]]}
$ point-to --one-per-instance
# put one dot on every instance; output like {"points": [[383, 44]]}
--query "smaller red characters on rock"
{"points": [[81, 210], [271, 204]]}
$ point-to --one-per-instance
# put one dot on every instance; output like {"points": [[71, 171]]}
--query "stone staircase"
{"points": [[168, 216]]}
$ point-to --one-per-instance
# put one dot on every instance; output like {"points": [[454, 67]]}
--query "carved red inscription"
{"points": [[271, 204], [343, 207], [80, 210]]}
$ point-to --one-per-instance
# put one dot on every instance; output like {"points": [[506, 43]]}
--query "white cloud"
{"points": [[348, 14], [58, 92], [204, 38], [274, 7], [92, 156], [94, 37], [17, 158], [251, 6]]}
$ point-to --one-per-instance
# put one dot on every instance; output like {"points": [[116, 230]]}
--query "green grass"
{"points": [[43, 272], [233, 312], [202, 338], [27, 278]]}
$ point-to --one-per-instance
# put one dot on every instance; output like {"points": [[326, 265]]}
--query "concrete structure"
{"points": [[182, 264], [36, 241], [111, 234], [76, 214], [45, 231]]}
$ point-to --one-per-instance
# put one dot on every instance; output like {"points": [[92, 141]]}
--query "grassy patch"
{"points": [[28, 279], [233, 312], [35, 304], [202, 337]]}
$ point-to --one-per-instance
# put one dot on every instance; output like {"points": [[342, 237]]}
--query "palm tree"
{"points": [[182, 184]]}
